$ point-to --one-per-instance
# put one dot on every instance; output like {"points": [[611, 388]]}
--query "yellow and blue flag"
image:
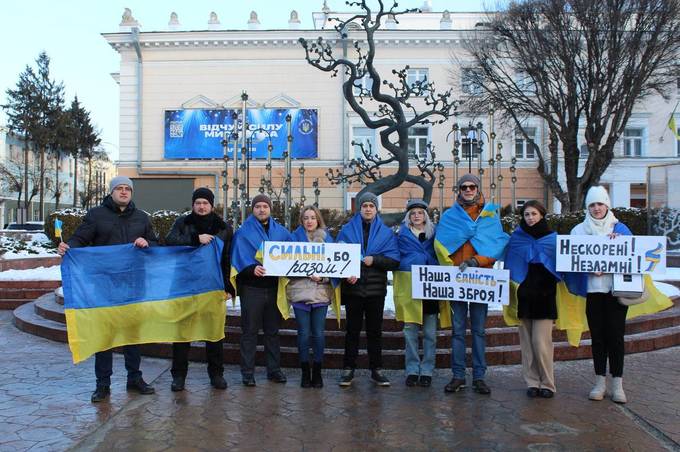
{"points": [[456, 228], [57, 228], [414, 252], [246, 250], [122, 295]]}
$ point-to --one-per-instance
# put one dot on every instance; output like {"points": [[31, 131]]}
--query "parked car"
{"points": [[32, 226]]}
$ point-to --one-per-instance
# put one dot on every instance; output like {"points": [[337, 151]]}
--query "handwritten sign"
{"points": [[476, 285], [622, 254], [298, 259]]}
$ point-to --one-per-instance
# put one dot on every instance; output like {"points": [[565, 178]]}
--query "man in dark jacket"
{"points": [[115, 222], [365, 296], [200, 227]]}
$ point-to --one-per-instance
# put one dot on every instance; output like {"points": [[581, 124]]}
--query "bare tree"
{"points": [[397, 103], [575, 64]]}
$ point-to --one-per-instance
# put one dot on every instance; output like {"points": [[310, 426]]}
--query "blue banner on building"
{"points": [[198, 134]]}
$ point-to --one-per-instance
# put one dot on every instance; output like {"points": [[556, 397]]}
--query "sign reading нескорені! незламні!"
{"points": [[625, 254], [299, 259], [477, 285]]}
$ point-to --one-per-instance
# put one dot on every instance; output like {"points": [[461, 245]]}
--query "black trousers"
{"points": [[607, 324], [213, 352], [103, 365], [259, 310], [356, 309]]}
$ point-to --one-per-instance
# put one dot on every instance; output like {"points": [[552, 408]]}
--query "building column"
{"points": [[619, 192]]}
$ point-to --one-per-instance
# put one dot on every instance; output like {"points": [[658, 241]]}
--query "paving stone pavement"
{"points": [[44, 405]]}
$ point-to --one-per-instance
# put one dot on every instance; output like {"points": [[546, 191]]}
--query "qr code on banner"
{"points": [[176, 130]]}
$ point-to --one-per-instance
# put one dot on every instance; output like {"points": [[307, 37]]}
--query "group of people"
{"points": [[468, 235]]}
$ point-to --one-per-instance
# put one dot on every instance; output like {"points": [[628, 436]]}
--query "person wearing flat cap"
{"points": [[200, 227], [364, 297], [115, 222], [261, 296], [469, 234]]}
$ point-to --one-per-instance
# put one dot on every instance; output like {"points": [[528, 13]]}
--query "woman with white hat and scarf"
{"points": [[606, 316]]}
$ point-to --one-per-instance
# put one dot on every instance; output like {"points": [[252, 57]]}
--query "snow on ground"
{"points": [[39, 245], [34, 274]]}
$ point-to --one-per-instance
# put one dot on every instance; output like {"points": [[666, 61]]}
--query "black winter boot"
{"points": [[317, 381], [306, 381]]}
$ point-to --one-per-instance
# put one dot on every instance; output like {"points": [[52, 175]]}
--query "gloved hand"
{"points": [[472, 262]]}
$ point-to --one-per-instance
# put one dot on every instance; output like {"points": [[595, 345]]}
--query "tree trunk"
{"points": [[75, 181], [24, 216], [41, 212], [57, 191]]}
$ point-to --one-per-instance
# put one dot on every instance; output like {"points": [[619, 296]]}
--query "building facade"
{"points": [[174, 70]]}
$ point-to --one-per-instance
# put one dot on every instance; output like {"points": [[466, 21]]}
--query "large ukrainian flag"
{"points": [[122, 295]]}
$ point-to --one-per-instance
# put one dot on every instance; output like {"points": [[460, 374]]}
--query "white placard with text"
{"points": [[299, 259], [476, 285]]}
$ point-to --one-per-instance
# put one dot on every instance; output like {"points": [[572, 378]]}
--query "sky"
{"points": [[70, 32]]}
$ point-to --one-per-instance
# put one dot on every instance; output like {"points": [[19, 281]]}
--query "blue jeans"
{"points": [[311, 325], [477, 320], [414, 365], [103, 365]]}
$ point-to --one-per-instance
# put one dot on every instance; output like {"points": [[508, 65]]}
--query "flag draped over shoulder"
{"points": [[456, 227], [299, 235], [246, 250], [414, 252], [523, 250], [121, 295], [571, 298], [381, 240]]}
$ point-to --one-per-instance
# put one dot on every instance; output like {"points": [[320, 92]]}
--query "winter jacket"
{"points": [[373, 281], [108, 225], [186, 229]]}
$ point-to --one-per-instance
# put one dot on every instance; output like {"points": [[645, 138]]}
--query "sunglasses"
{"points": [[468, 187]]}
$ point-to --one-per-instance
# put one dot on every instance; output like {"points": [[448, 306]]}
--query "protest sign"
{"points": [[477, 285], [622, 254], [300, 259]]}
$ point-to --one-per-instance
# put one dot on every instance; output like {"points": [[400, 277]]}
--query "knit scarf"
{"points": [[603, 226]]}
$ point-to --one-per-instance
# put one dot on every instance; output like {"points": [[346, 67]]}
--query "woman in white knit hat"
{"points": [[606, 316]]}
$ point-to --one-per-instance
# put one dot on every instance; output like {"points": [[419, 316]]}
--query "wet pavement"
{"points": [[44, 405]]}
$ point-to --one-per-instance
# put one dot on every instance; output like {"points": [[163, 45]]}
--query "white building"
{"points": [[174, 70]]}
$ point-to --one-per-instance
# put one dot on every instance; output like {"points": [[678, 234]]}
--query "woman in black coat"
{"points": [[200, 227]]}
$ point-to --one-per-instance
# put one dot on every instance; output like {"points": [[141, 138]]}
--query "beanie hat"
{"points": [[413, 203], [368, 197], [203, 193], [262, 198], [120, 180], [469, 178], [598, 193]]}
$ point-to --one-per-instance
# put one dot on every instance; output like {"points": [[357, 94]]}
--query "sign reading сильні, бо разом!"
{"points": [[477, 285], [624, 254], [300, 259]]}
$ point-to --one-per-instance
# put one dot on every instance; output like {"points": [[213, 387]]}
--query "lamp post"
{"points": [[287, 188], [244, 156]]}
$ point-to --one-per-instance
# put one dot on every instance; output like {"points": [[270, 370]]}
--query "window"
{"points": [[418, 75], [632, 142], [417, 142], [365, 82], [677, 142], [519, 203], [365, 136], [469, 144], [525, 83], [523, 148], [471, 81]]}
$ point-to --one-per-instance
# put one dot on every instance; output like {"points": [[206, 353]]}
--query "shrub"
{"points": [[162, 221], [70, 218]]}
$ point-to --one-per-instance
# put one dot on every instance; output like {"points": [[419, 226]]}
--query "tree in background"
{"points": [[575, 64], [397, 104], [21, 116]]}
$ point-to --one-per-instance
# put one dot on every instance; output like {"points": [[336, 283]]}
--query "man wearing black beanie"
{"points": [[198, 228]]}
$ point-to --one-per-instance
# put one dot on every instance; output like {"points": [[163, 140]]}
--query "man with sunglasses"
{"points": [[469, 235]]}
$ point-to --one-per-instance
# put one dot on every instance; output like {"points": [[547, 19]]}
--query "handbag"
{"points": [[630, 289]]}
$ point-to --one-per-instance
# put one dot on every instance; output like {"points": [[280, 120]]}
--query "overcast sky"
{"points": [[70, 32]]}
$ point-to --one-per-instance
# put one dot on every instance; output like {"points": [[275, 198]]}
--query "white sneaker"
{"points": [[618, 395], [597, 393]]}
